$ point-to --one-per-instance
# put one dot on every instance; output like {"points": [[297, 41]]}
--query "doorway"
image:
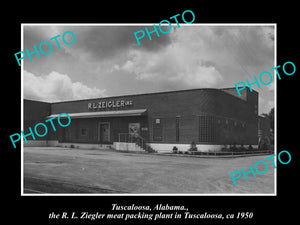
{"points": [[104, 132]]}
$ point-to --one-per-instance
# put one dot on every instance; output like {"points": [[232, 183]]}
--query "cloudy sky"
{"points": [[105, 60]]}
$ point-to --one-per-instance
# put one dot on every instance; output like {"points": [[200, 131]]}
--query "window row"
{"points": [[203, 128]]}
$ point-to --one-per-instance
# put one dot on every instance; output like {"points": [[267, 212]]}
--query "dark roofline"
{"points": [[235, 88], [142, 94], [36, 101], [145, 94]]}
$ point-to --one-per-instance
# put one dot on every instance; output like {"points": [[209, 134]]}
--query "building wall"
{"points": [[204, 116], [74, 133], [36, 112], [228, 119]]}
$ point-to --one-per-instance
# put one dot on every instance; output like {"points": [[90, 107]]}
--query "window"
{"points": [[207, 128], [177, 128], [83, 132], [157, 129]]}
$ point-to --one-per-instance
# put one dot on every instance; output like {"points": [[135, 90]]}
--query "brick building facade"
{"points": [[209, 117]]}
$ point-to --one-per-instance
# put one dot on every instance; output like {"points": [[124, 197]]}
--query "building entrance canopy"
{"points": [[116, 113]]}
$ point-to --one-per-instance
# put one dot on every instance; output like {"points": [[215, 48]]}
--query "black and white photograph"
{"points": [[129, 109], [145, 113]]}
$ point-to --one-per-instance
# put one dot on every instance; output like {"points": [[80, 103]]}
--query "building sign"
{"points": [[144, 129], [134, 129], [112, 104]]}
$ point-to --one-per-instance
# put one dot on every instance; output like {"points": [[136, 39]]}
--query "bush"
{"points": [[233, 148], [242, 148], [224, 149], [175, 149]]}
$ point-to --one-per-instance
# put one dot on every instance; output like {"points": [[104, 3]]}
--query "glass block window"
{"points": [[207, 128]]}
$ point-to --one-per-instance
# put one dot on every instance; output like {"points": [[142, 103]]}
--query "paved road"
{"points": [[42, 185], [63, 170]]}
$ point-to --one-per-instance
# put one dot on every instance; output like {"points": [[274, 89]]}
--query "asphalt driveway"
{"points": [[69, 170]]}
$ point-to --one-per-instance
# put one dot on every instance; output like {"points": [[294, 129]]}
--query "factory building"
{"points": [[211, 118]]}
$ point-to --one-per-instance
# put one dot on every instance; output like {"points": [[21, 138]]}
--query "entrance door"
{"points": [[104, 132]]}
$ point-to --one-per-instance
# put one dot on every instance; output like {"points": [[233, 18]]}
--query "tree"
{"points": [[270, 116]]}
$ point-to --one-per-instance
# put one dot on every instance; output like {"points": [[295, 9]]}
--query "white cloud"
{"points": [[175, 63], [201, 56], [265, 105], [270, 87], [56, 87]]}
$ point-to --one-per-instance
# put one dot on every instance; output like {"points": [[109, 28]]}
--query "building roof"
{"points": [[223, 90]]}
